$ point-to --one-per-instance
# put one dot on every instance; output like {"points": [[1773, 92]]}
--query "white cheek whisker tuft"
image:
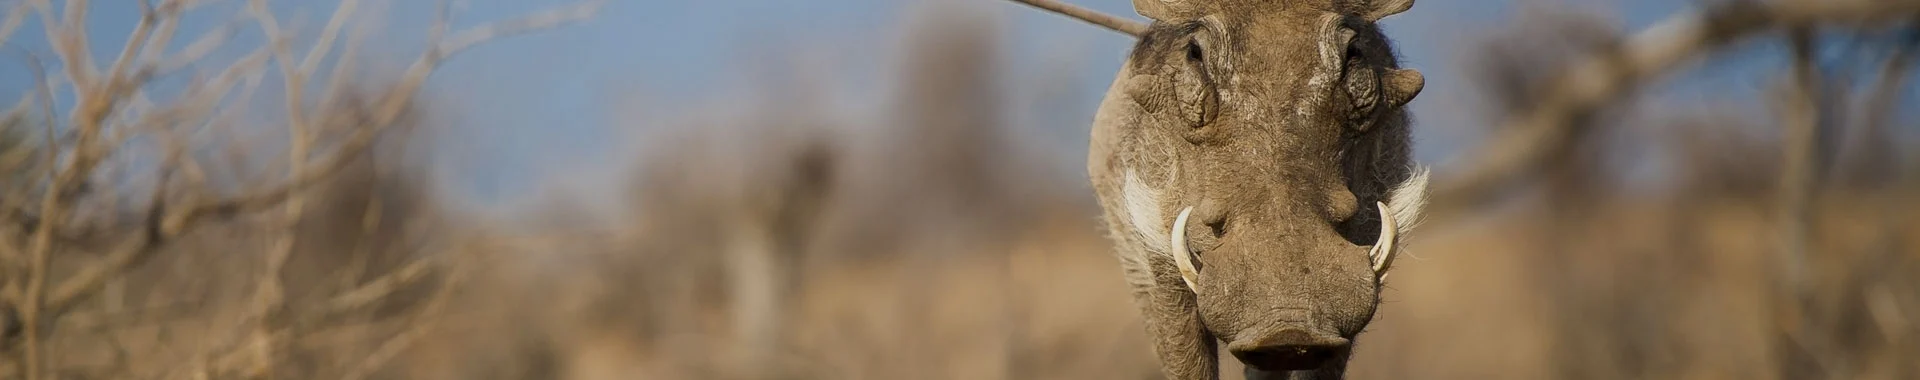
{"points": [[1398, 215], [1143, 212], [1408, 200]]}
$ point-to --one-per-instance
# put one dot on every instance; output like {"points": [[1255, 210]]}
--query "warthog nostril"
{"points": [[1291, 349]]}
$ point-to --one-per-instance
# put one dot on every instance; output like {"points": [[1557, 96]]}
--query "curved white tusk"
{"points": [[1181, 256], [1383, 250]]}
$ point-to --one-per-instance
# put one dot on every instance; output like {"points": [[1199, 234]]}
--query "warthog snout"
{"points": [[1288, 349]]}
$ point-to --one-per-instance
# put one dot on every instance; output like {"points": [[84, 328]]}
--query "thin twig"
{"points": [[422, 323], [168, 24], [195, 51], [363, 248], [544, 20], [1115, 23], [18, 115], [39, 253], [12, 160], [393, 104], [1868, 150], [380, 288], [135, 43], [203, 96], [1891, 78], [343, 72], [1801, 116], [327, 36], [11, 22], [270, 291], [69, 39]]}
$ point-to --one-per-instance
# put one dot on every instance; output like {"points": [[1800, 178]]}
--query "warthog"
{"points": [[1252, 159]]}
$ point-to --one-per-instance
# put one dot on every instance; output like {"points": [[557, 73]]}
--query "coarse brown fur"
{"points": [[1281, 124]]}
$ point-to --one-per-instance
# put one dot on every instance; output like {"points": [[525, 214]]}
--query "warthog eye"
{"points": [[1194, 53], [1195, 87]]}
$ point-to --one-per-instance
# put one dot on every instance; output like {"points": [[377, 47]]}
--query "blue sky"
{"points": [[531, 105], [688, 52]]}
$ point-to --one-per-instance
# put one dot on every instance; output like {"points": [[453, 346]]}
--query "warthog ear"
{"points": [[1165, 10], [1401, 85], [1374, 10]]}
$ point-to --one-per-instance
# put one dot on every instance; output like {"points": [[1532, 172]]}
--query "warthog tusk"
{"points": [[1383, 250], [1181, 256]]}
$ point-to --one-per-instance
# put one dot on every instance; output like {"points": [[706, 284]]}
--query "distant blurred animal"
{"points": [[1252, 159]]}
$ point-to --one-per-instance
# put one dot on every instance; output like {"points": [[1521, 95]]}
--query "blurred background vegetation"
{"points": [[861, 189]]}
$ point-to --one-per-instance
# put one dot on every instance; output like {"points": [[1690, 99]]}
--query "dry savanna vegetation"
{"points": [[193, 207], [160, 220]]}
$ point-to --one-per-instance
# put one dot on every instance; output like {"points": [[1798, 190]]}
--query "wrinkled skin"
{"points": [[1280, 124]]}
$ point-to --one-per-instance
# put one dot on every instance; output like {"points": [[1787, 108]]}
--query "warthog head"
{"points": [[1252, 161]]}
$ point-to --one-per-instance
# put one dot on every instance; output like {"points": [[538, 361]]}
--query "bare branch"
{"points": [[160, 226], [69, 39], [17, 115], [270, 292], [421, 324], [134, 47], [126, 254], [549, 19], [379, 288], [393, 103], [96, 101], [1891, 78], [1598, 81], [205, 96], [39, 251], [1802, 116], [11, 22], [1115, 23], [165, 222], [196, 50], [1868, 155], [168, 19], [327, 37], [343, 71]]}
